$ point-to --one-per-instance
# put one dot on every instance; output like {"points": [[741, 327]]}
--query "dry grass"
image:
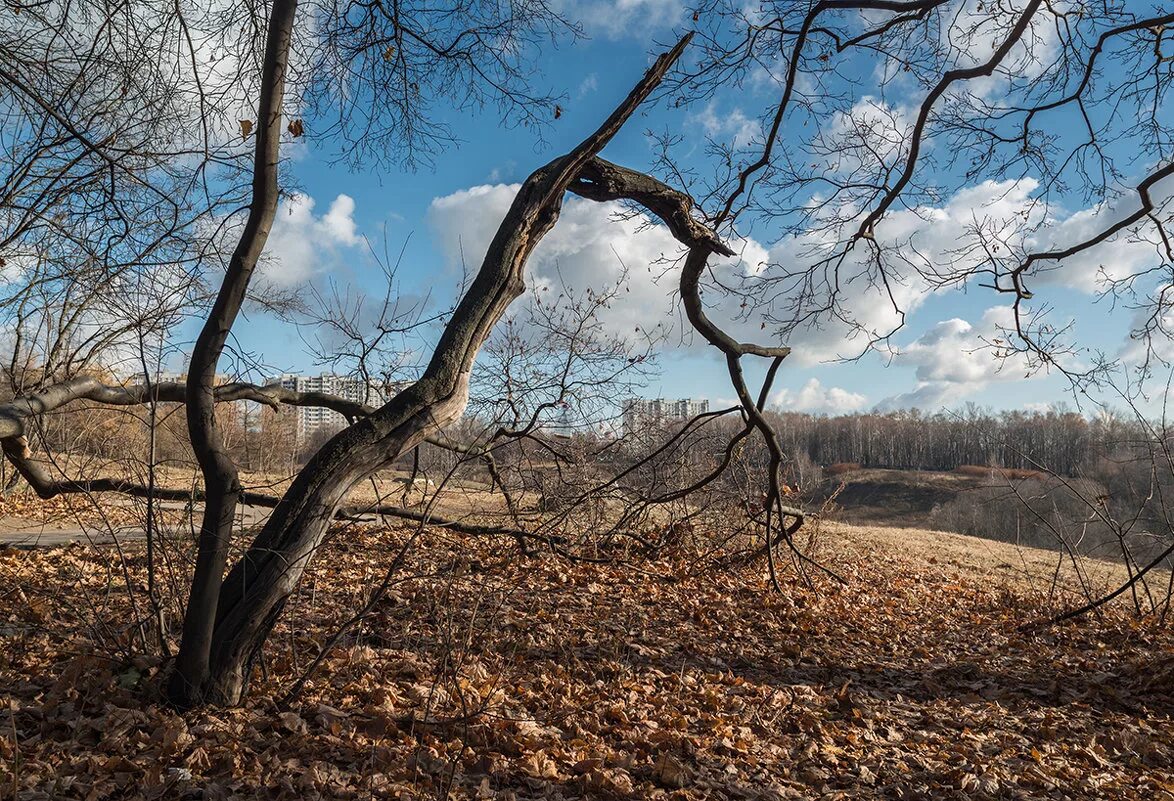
{"points": [[1015, 568], [1003, 473], [840, 468]]}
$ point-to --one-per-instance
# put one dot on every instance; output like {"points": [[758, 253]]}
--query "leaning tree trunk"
{"points": [[254, 592]]}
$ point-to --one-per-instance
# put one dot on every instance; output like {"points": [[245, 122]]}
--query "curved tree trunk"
{"points": [[256, 589]]}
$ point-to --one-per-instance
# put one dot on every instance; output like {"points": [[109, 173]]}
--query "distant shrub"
{"points": [[840, 468], [1012, 473], [1021, 474], [1042, 513]]}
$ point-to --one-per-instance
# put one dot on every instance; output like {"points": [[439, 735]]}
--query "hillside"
{"points": [[491, 676], [1072, 514], [905, 498]]}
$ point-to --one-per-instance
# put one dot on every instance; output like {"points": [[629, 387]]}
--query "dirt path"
{"points": [[18, 532]]}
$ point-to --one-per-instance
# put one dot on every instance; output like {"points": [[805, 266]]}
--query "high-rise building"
{"points": [[311, 419], [639, 413]]}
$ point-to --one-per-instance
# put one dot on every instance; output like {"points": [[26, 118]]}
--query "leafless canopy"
{"points": [[885, 110]]}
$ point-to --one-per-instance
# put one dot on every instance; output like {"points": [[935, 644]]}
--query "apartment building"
{"points": [[311, 419], [639, 413]]}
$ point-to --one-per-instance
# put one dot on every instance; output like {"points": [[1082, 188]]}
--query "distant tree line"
{"points": [[1059, 440]]}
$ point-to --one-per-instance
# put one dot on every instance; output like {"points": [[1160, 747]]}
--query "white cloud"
{"points": [[979, 27], [502, 172], [303, 244], [591, 245], [619, 18], [733, 126], [1152, 339], [921, 244], [930, 397], [588, 85], [815, 397], [955, 359], [339, 222], [1125, 255], [870, 133], [465, 221]]}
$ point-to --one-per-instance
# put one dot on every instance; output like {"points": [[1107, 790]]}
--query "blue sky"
{"points": [[437, 212]]}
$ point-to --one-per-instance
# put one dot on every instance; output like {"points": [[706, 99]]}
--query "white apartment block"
{"points": [[311, 419], [642, 412]]}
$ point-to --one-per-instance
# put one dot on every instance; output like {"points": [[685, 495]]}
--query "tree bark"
{"points": [[221, 482]]}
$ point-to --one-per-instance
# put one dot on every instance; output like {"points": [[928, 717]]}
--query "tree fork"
{"points": [[255, 590], [221, 483]]}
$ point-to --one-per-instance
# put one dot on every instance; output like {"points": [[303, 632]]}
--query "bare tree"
{"points": [[399, 57]]}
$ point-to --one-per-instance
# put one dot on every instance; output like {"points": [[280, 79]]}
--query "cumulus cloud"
{"points": [[1151, 342], [814, 397], [339, 221], [921, 242], [465, 221], [594, 243], [303, 244], [931, 247], [872, 130], [980, 27], [954, 360], [1126, 254], [619, 18]]}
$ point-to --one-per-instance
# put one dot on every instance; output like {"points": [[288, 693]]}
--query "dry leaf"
{"points": [[670, 773]]}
